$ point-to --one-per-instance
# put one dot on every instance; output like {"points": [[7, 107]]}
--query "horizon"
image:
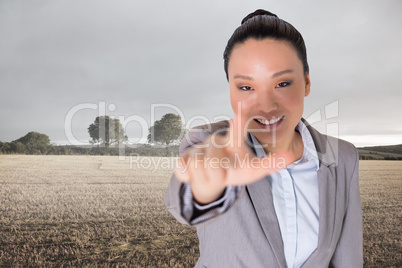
{"points": [[359, 144]]}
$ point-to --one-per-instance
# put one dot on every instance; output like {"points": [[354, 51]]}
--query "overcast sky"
{"points": [[64, 62]]}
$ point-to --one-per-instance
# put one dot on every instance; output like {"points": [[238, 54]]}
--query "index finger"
{"points": [[239, 142]]}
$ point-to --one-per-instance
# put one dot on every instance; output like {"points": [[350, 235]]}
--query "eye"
{"points": [[245, 88], [283, 84]]}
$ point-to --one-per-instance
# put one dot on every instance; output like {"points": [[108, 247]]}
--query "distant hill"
{"points": [[389, 152], [396, 149]]}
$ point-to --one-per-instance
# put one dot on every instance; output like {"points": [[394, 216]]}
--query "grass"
{"points": [[98, 211], [380, 189]]}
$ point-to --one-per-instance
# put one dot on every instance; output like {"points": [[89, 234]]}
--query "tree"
{"points": [[167, 130], [19, 148], [107, 131], [34, 142], [4, 147]]}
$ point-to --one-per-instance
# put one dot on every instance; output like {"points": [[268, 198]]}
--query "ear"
{"points": [[308, 84]]}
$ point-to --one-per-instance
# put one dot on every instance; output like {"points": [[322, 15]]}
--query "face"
{"points": [[267, 82]]}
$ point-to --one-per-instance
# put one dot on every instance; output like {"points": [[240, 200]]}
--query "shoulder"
{"points": [[199, 133], [332, 150], [346, 150]]}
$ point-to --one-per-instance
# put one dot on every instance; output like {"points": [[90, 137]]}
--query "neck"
{"points": [[292, 144]]}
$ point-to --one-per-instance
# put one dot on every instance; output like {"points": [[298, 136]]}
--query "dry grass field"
{"points": [[381, 195], [98, 211]]}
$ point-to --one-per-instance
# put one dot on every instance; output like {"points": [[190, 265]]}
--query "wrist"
{"points": [[208, 197]]}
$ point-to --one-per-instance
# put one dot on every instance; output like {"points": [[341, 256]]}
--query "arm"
{"points": [[349, 251]]}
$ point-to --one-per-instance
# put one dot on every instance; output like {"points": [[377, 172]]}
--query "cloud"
{"points": [[55, 55]]}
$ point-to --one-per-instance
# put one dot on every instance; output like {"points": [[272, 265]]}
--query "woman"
{"points": [[265, 189]]}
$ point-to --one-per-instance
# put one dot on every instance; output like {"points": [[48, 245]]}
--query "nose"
{"points": [[266, 101]]}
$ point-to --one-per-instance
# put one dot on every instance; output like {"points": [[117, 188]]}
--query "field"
{"points": [[98, 211], [381, 195]]}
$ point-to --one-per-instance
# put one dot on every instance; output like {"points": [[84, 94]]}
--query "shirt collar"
{"points": [[309, 151]]}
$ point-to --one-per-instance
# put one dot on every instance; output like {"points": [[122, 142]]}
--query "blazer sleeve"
{"points": [[178, 197], [349, 250]]}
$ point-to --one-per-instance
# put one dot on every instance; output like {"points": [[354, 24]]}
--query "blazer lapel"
{"points": [[327, 193], [327, 153], [261, 197]]}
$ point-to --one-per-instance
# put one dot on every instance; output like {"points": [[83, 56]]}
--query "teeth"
{"points": [[269, 122]]}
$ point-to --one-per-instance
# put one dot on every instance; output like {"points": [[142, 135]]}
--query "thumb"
{"points": [[238, 138], [257, 168], [181, 169]]}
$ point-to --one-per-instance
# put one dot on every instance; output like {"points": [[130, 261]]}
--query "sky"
{"points": [[65, 62]]}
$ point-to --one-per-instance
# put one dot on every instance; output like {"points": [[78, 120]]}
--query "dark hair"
{"points": [[262, 24]]}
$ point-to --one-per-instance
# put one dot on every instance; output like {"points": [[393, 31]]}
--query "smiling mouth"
{"points": [[271, 122]]}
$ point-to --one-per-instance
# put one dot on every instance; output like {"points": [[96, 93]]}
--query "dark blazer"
{"points": [[248, 234]]}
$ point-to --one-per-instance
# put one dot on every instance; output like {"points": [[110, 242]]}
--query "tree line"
{"points": [[107, 138]]}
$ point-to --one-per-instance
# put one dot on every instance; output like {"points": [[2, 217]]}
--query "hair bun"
{"points": [[258, 12]]}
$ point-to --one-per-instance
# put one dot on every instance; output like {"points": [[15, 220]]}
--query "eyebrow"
{"points": [[282, 72], [245, 77]]}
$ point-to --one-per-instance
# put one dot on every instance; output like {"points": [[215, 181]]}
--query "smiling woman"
{"points": [[301, 210]]}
